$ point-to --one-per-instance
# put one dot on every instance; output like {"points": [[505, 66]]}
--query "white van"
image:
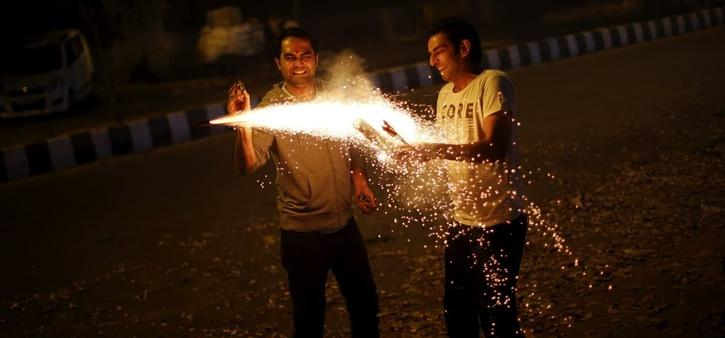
{"points": [[45, 74]]}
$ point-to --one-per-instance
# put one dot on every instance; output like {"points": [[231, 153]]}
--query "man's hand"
{"points": [[365, 199], [407, 154], [238, 100]]}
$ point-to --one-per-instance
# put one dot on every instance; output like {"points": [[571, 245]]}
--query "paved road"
{"points": [[175, 242]]}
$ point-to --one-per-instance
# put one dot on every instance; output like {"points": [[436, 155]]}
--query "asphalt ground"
{"points": [[175, 243]]}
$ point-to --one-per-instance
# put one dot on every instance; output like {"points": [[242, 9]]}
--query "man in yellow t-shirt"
{"points": [[476, 111]]}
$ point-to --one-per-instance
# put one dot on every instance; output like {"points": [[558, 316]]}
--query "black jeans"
{"points": [[307, 257], [481, 268]]}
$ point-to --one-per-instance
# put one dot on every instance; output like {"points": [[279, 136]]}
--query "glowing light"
{"points": [[333, 119]]}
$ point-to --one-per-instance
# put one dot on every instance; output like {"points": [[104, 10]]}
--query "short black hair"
{"points": [[296, 32], [457, 29]]}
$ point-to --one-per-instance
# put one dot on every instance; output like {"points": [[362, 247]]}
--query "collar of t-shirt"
{"points": [[284, 89]]}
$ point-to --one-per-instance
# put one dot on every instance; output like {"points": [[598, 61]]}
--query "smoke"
{"points": [[345, 78]]}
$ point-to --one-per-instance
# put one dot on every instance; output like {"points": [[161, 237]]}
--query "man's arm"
{"points": [[491, 148], [364, 196], [246, 157]]}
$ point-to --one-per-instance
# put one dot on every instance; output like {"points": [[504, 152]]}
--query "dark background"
{"points": [[163, 33]]}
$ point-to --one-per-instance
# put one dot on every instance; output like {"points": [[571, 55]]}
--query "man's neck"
{"points": [[301, 92], [462, 80]]}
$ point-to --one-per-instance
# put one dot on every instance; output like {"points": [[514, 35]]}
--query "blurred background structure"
{"points": [[166, 40], [194, 43]]}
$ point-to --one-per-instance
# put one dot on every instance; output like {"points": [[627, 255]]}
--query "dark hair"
{"points": [[296, 32], [456, 29]]}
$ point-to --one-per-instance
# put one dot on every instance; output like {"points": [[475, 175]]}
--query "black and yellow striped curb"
{"points": [[145, 134]]}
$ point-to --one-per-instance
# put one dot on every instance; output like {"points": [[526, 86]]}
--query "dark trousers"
{"points": [[481, 266], [307, 257]]}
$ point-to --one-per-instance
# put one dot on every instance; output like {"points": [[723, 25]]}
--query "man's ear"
{"points": [[276, 61], [465, 48]]}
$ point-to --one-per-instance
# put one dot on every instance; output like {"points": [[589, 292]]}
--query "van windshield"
{"points": [[36, 59]]}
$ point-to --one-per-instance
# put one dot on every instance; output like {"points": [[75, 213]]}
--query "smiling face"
{"points": [[297, 61], [449, 60]]}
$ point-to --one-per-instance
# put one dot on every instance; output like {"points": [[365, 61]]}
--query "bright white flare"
{"points": [[334, 119]]}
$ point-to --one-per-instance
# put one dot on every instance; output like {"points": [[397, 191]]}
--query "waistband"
{"points": [[349, 225]]}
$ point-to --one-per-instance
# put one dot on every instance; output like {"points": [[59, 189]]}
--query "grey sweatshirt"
{"points": [[313, 174]]}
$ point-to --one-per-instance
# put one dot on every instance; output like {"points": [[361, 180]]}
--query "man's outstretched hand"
{"points": [[408, 153], [238, 100]]}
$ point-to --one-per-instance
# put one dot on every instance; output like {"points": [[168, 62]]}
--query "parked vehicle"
{"points": [[44, 75]]}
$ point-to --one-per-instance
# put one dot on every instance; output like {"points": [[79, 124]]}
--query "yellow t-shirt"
{"points": [[484, 194]]}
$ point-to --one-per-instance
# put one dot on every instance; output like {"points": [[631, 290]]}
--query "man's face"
{"points": [[297, 61], [446, 58]]}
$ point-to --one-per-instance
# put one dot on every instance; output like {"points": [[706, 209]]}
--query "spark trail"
{"points": [[332, 119]]}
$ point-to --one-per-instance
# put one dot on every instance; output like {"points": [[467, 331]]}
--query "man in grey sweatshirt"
{"points": [[316, 180]]}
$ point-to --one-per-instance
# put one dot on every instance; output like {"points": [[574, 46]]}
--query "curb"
{"points": [[93, 145], [558, 48], [142, 135]]}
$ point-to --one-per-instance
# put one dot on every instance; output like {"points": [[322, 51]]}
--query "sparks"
{"points": [[333, 119]]}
